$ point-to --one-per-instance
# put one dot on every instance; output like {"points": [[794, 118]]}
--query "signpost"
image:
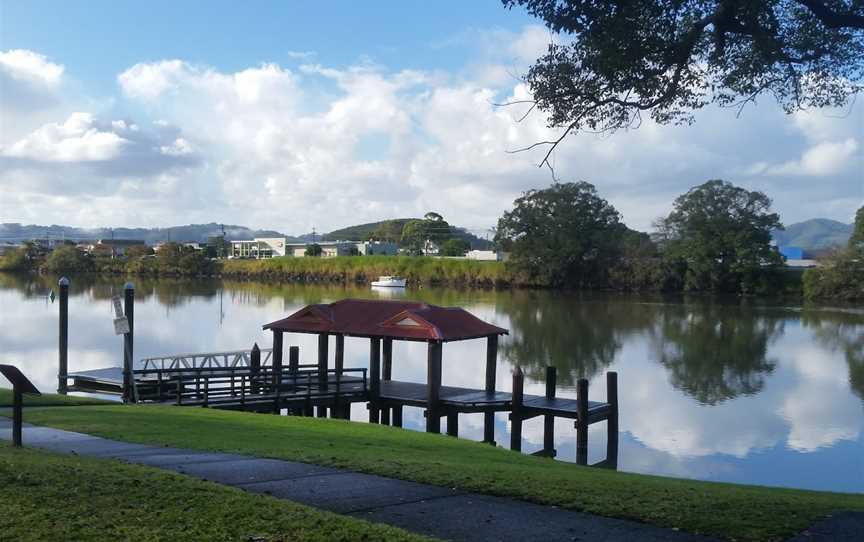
{"points": [[20, 386]]}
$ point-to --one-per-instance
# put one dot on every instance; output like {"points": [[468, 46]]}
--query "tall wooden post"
{"points": [[293, 358], [516, 412], [17, 414], [433, 387], [128, 341], [453, 423], [388, 359], [612, 420], [340, 410], [277, 357], [323, 357], [63, 346], [582, 421], [548, 419], [374, 379], [254, 368], [491, 363]]}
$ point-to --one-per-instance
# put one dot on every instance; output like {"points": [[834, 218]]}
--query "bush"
{"points": [[67, 259]]}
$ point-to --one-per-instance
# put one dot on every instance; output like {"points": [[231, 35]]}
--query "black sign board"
{"points": [[20, 382]]}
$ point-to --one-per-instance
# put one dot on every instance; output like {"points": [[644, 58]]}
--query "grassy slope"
{"points": [[54, 497], [735, 511], [49, 399]]}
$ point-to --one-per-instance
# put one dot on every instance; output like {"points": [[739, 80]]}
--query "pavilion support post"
{"points": [[549, 419], [516, 412], [64, 337], [433, 387], [254, 368], [323, 356], [612, 420], [338, 409], [491, 362], [453, 423], [294, 359], [17, 414], [374, 379], [397, 416], [277, 357], [582, 421], [387, 345]]}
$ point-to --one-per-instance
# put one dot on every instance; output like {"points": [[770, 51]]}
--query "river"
{"points": [[712, 389]]}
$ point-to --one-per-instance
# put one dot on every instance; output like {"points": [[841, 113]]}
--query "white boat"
{"points": [[389, 281]]}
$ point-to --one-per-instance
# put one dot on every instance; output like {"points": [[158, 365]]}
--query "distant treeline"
{"points": [[717, 239]]}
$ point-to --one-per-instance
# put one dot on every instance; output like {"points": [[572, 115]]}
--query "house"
{"points": [[263, 248]]}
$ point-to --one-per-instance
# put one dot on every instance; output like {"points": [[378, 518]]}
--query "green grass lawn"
{"points": [[50, 399], [48, 496], [733, 511]]}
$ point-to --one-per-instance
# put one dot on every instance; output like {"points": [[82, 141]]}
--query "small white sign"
{"points": [[121, 326], [118, 307]]}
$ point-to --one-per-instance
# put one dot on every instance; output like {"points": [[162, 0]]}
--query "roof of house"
{"points": [[402, 320]]}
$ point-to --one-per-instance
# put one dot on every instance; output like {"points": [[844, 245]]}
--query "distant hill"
{"points": [[191, 233], [817, 233], [363, 232]]}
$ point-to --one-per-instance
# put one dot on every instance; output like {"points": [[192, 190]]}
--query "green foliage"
{"points": [[840, 277], [419, 235], [313, 250], [67, 259], [138, 251], [455, 247], [564, 235], [731, 511], [721, 235], [177, 259], [18, 259], [618, 59], [347, 269]]}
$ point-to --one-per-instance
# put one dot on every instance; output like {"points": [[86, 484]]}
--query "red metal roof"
{"points": [[407, 320]]}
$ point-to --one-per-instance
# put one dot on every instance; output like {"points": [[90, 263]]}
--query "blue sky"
{"points": [[288, 115]]}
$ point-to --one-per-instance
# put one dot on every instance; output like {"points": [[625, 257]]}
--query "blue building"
{"points": [[792, 253]]}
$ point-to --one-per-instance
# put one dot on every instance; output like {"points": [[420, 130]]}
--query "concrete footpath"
{"points": [[431, 510]]}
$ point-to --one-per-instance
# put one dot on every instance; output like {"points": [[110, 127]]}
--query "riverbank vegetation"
{"points": [[727, 510], [49, 496], [716, 239]]}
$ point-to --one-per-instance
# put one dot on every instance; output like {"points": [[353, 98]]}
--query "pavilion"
{"points": [[385, 321]]}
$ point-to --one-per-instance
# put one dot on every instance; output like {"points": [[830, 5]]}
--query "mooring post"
{"points": [[64, 336], [549, 419], [491, 363], [516, 412], [388, 359], [17, 415], [128, 341], [453, 423], [582, 421], [433, 387], [254, 367], [277, 358], [612, 420], [397, 416], [323, 358], [374, 379]]}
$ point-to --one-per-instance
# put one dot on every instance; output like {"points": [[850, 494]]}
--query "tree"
{"points": [[314, 250], [564, 235], [67, 259], [668, 59], [856, 240], [138, 251], [721, 234], [389, 231], [418, 234], [455, 247]]}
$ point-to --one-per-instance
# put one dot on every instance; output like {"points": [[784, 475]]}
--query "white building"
{"points": [[261, 248], [485, 255]]}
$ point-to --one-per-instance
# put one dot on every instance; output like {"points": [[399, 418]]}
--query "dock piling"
{"points": [[549, 419], [63, 368], [612, 420], [374, 379], [582, 421], [128, 341], [433, 387], [516, 410], [491, 367]]}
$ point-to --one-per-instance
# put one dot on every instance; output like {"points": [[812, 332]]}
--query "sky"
{"points": [[294, 115]]}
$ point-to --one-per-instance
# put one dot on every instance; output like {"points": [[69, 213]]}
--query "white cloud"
{"points": [[822, 159], [75, 140], [24, 65]]}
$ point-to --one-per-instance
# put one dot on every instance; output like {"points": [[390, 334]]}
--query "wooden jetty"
{"points": [[260, 380]]}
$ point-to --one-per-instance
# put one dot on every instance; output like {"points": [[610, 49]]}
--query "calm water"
{"points": [[714, 390]]}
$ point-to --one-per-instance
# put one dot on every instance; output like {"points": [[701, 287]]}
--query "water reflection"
{"points": [[709, 389], [715, 352]]}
